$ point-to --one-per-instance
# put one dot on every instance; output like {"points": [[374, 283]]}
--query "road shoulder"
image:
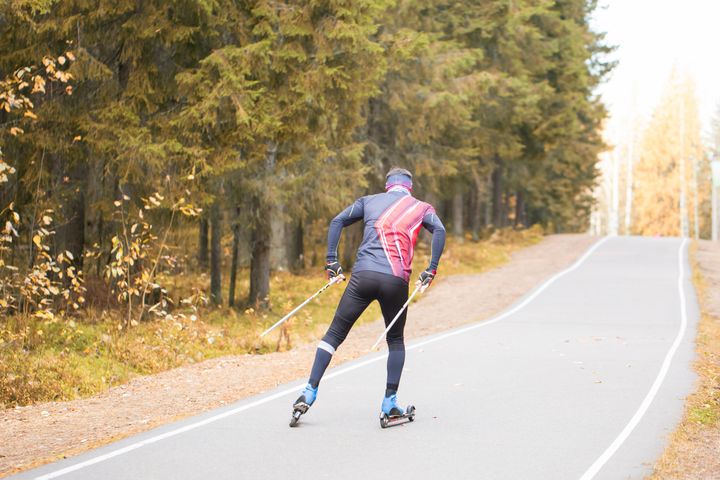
{"points": [[694, 446]]}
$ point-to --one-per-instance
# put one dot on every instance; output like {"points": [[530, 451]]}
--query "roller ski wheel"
{"points": [[303, 403], [396, 417], [299, 409]]}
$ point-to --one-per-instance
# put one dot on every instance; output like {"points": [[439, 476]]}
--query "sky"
{"points": [[651, 37]]}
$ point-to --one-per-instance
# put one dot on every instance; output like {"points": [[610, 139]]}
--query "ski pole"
{"points": [[417, 289], [297, 309]]}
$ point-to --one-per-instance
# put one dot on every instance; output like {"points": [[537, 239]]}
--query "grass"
{"points": [[68, 359], [702, 408]]}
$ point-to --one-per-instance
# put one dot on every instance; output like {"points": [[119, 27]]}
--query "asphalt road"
{"points": [[583, 378]]}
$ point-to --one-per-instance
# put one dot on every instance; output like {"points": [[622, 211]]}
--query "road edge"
{"points": [[688, 440]]}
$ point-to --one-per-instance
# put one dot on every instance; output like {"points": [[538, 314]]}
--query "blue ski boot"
{"points": [[303, 403], [392, 414]]}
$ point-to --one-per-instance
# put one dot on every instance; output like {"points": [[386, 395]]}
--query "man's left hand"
{"points": [[425, 279]]}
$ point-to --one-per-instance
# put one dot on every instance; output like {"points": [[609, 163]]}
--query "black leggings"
{"points": [[364, 287]]}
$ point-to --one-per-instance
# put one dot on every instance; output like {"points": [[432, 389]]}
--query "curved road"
{"points": [[583, 378]]}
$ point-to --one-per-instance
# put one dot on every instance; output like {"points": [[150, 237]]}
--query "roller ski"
{"points": [[303, 404], [392, 414]]}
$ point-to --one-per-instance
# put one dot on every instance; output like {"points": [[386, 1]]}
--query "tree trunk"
{"points": [[215, 253], [479, 195], [296, 246], [497, 197], [203, 244], [261, 240], [457, 216], [351, 242], [279, 244], [95, 226], [445, 208], [260, 264], [520, 220], [505, 210], [487, 219], [70, 234], [234, 263], [101, 241], [476, 214]]}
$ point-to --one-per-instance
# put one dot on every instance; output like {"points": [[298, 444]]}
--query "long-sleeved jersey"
{"points": [[392, 224]]}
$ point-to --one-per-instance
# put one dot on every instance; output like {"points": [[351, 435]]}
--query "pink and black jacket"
{"points": [[392, 224]]}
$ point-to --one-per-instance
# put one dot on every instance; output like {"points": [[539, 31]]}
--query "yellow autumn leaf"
{"points": [[37, 241], [39, 85]]}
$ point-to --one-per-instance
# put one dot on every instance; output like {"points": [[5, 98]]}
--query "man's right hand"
{"points": [[333, 270]]}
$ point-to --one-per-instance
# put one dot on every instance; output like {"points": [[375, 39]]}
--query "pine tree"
{"points": [[563, 144], [107, 137], [275, 108]]}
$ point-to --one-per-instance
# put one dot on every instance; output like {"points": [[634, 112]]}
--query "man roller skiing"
{"points": [[381, 272]]}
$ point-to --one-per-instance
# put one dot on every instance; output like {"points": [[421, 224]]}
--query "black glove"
{"points": [[427, 277], [333, 269]]}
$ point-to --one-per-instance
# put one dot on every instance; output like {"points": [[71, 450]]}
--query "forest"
{"points": [[147, 145]]}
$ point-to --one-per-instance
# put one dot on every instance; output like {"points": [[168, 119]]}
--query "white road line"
{"points": [[296, 389], [615, 445], [165, 435]]}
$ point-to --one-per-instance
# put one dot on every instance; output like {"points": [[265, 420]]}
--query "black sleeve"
{"points": [[350, 215], [433, 224]]}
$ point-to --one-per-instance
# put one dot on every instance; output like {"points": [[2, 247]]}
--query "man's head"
{"points": [[398, 177]]}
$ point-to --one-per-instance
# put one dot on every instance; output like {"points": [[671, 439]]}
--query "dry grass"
{"points": [[694, 449], [64, 360]]}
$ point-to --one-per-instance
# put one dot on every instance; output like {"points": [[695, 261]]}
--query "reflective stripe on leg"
{"points": [[327, 347]]}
